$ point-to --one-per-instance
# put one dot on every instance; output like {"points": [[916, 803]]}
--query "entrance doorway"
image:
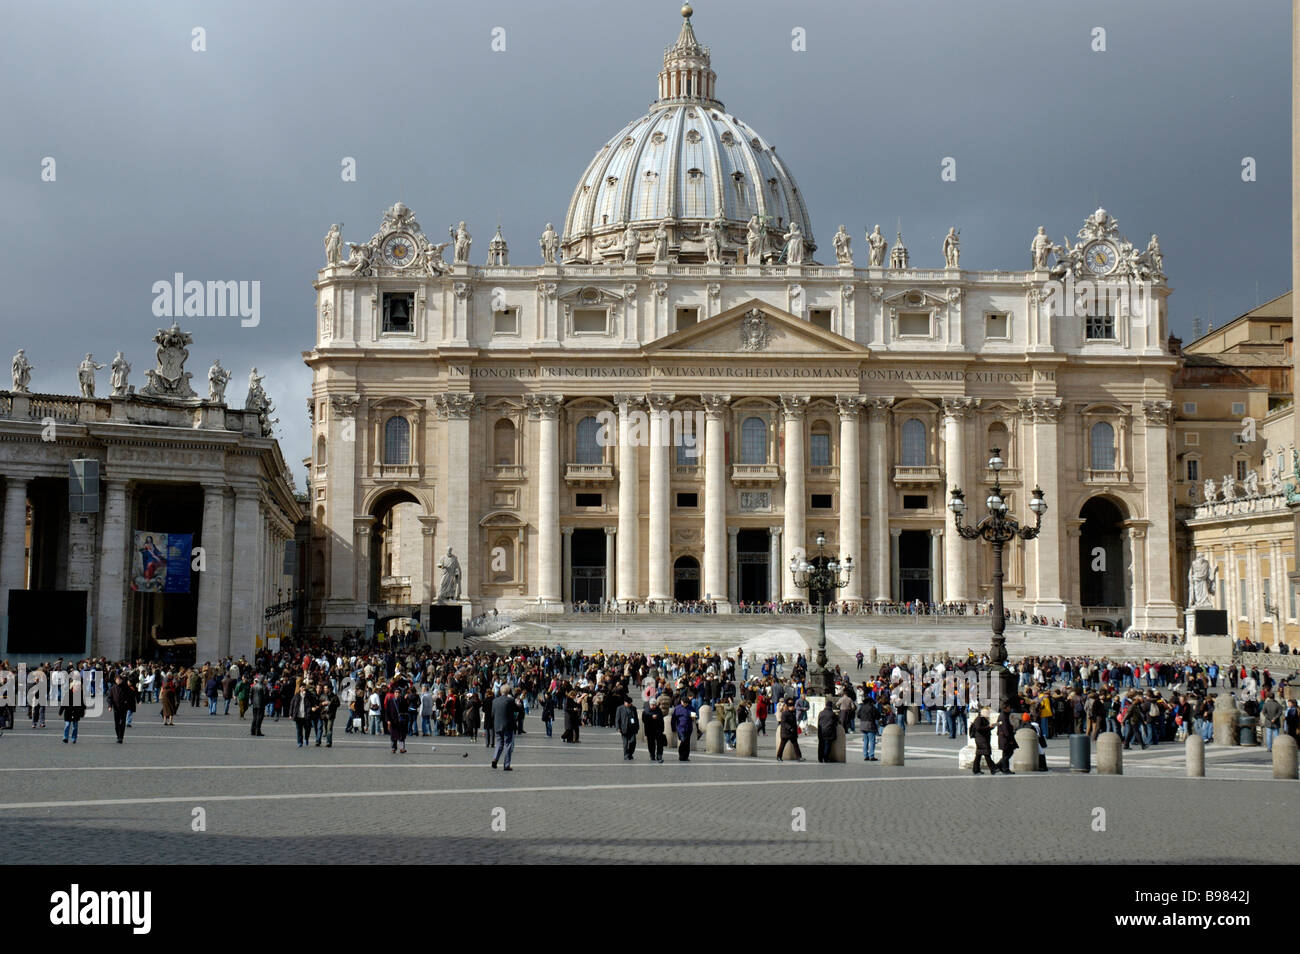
{"points": [[1101, 563], [686, 579], [914, 571], [587, 566], [753, 568]]}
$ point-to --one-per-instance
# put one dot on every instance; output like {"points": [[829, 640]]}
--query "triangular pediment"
{"points": [[756, 328]]}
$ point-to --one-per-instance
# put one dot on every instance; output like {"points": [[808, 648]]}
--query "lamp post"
{"points": [[998, 528], [824, 576]]}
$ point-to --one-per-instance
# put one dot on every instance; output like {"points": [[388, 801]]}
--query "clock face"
{"points": [[1100, 257], [399, 250]]}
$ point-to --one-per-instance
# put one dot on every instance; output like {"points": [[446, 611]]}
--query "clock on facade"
{"points": [[399, 250], [1100, 258]]}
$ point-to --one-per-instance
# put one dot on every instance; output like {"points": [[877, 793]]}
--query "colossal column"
{"points": [[245, 605], [851, 493], [660, 554], [715, 498], [793, 407], [955, 411], [455, 409], [109, 622], [1161, 613], [877, 437], [214, 581], [628, 498], [340, 509], [545, 410], [1045, 552]]}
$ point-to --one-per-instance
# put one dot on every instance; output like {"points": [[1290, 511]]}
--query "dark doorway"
{"points": [[753, 568], [686, 579], [1101, 555], [914, 565], [168, 508], [383, 542], [587, 562]]}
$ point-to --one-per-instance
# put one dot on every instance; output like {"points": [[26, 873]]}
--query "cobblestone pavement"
{"points": [[266, 800]]}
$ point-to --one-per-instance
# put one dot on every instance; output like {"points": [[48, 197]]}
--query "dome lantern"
{"points": [[686, 76]]}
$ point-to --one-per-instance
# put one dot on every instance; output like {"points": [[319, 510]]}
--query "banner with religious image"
{"points": [[160, 562]]}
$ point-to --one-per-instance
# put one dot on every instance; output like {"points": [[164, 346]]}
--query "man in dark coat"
{"points": [[626, 722], [982, 731], [828, 726], [683, 724], [300, 711], [257, 698], [120, 701], [655, 739], [503, 717], [789, 731], [1006, 739], [867, 722]]}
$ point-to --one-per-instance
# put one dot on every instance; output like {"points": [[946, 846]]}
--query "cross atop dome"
{"points": [[686, 76]]}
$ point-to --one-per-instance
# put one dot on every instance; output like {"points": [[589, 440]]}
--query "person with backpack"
{"points": [[1132, 718], [626, 722], [868, 723]]}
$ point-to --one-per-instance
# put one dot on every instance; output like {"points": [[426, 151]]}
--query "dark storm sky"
{"points": [[225, 164]]}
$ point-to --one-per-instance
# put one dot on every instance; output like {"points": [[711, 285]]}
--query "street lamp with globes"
{"points": [[825, 576], [998, 528]]}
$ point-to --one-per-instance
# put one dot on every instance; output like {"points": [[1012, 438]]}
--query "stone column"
{"points": [[1073, 534], [1045, 414], [793, 407], [245, 587], [456, 410], [955, 410], [110, 622], [851, 493], [545, 409], [660, 555], [896, 583], [566, 566], [1161, 613], [936, 554], [611, 550], [877, 438], [340, 508], [13, 543], [1137, 574], [214, 581], [775, 569], [628, 499], [733, 595], [715, 497]]}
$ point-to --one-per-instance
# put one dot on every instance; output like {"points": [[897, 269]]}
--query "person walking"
{"points": [[626, 722], [548, 712], [1006, 739], [395, 715], [119, 700], [788, 729], [1270, 716], [257, 698], [982, 731], [828, 725], [503, 718], [868, 723], [300, 711], [683, 725], [655, 739], [169, 702], [73, 710]]}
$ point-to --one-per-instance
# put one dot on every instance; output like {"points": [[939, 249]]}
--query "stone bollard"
{"points": [[1110, 754], [713, 738], [1225, 720], [1025, 757], [1195, 756], [706, 716], [891, 746], [913, 716], [747, 739], [1284, 757], [873, 655], [839, 745]]}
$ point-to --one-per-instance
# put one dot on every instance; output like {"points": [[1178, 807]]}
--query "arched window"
{"points": [[1101, 439], [503, 442], [913, 443], [501, 560], [819, 445], [686, 439], [1000, 438], [753, 441], [397, 441], [589, 450], [321, 459]]}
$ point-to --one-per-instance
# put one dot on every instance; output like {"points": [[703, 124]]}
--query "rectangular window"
{"points": [[821, 502], [505, 322], [1189, 407], [1244, 592], [821, 317], [916, 501], [1193, 440], [399, 309], [688, 501], [686, 317], [1290, 605], [1193, 470], [590, 321], [1266, 586], [1241, 470], [997, 326], [1099, 327], [589, 500], [819, 449], [1238, 408], [914, 325]]}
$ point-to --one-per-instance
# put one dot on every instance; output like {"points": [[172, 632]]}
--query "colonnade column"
{"points": [[877, 561], [628, 499], [793, 407], [109, 620], [715, 498], [611, 537], [245, 607], [955, 585], [660, 553], [214, 580], [545, 409], [851, 493], [340, 509], [457, 408], [13, 544]]}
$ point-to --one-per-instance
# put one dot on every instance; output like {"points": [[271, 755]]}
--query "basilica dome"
{"points": [[685, 165]]}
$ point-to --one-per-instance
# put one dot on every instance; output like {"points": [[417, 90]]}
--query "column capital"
{"points": [[609, 531], [959, 407], [878, 407], [1157, 413], [344, 405], [544, 407], [660, 402], [850, 405], [775, 531], [794, 405], [568, 531], [1042, 410], [214, 490], [626, 400], [457, 406], [733, 531], [936, 531], [895, 531], [715, 404]]}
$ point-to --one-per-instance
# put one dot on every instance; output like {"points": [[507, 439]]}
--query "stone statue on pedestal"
{"points": [[711, 232], [550, 243], [661, 241], [1200, 584], [793, 245], [461, 238], [1251, 483], [449, 586], [951, 248], [631, 243], [843, 247], [334, 244], [1040, 248], [1211, 490], [218, 378], [878, 244], [170, 379], [755, 241], [86, 375], [120, 370], [22, 369]]}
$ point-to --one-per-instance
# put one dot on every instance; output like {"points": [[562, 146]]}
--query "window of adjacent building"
{"points": [[1193, 470], [819, 445], [589, 450], [997, 325], [397, 441], [1102, 446], [1241, 470], [1192, 440], [590, 321], [589, 500], [753, 441], [916, 325], [1189, 407], [1099, 327], [687, 317], [1238, 408], [688, 501], [503, 442], [321, 459], [821, 317], [1244, 591], [913, 449], [916, 502], [1281, 463], [399, 307], [505, 322], [821, 502]]}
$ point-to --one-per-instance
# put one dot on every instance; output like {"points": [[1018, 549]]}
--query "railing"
{"points": [[506, 472], [686, 470], [589, 473], [925, 474], [1008, 475], [1091, 476], [60, 409], [755, 473], [400, 471], [824, 473]]}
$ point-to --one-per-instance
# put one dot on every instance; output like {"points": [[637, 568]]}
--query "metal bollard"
{"points": [[1080, 753]]}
